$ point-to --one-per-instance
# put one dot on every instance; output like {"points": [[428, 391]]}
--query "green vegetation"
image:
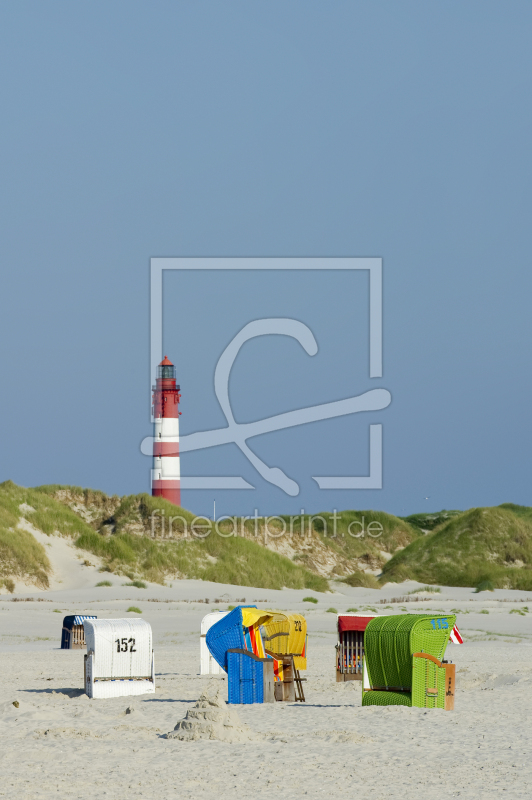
{"points": [[332, 611], [484, 611], [144, 538], [21, 556], [233, 560], [485, 586], [432, 589], [365, 579], [104, 583], [57, 611], [310, 600], [428, 522], [517, 611], [352, 610], [236, 561], [137, 584], [41, 510], [119, 531], [479, 547], [360, 535], [230, 608], [134, 610]]}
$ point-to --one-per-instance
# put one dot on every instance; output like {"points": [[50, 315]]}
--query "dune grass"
{"points": [[485, 586], [428, 522], [481, 546], [236, 561], [45, 513], [133, 610], [363, 579], [21, 556], [432, 589], [474, 548], [131, 550], [104, 583], [310, 600], [361, 535]]}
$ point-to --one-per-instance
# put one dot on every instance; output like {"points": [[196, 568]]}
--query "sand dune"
{"points": [[72, 568]]}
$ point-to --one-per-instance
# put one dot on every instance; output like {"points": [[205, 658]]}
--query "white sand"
{"points": [[60, 744]]}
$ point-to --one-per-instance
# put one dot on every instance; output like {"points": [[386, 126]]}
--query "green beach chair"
{"points": [[403, 661]]}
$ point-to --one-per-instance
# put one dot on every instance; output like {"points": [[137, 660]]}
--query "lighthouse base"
{"points": [[169, 490]]}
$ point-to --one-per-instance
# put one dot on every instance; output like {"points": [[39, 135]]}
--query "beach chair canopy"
{"points": [[233, 632], [241, 629], [286, 634], [353, 622], [403, 655]]}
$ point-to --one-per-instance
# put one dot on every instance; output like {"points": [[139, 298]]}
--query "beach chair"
{"points": [[350, 647], [119, 660], [243, 634], [403, 662], [285, 640], [208, 664], [73, 634]]}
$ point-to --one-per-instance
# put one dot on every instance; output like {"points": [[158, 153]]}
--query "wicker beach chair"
{"points": [[247, 636], [73, 634], [235, 642], [403, 661], [119, 660], [350, 647]]}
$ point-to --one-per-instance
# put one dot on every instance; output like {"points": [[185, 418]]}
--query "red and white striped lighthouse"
{"points": [[166, 476]]}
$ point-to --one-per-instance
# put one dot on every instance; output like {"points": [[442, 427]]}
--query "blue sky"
{"points": [[249, 129]]}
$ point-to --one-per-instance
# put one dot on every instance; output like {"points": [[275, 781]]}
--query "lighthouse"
{"points": [[166, 475]]}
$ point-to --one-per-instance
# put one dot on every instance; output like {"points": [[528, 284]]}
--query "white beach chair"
{"points": [[208, 664], [119, 659]]}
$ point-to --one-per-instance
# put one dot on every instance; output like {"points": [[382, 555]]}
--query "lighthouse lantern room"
{"points": [[166, 475]]}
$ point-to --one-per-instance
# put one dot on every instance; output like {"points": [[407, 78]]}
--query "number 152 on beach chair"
{"points": [[119, 660]]}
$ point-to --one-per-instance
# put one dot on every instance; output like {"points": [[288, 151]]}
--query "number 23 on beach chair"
{"points": [[403, 662], [119, 660]]}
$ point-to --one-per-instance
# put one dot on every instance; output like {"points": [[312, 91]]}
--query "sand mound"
{"points": [[212, 718]]}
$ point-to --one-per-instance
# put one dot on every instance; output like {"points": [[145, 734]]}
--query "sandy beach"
{"points": [[58, 743]]}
